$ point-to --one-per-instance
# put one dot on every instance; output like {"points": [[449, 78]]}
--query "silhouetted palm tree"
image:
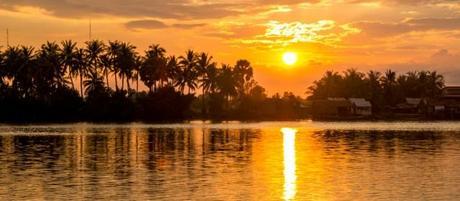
{"points": [[188, 73], [329, 86], [389, 87], [173, 70], [49, 70], [243, 73], [2, 70], [67, 56], [435, 84], [409, 85], [113, 51], [127, 62], [94, 50], [11, 62], [156, 51], [82, 67], [162, 71], [226, 82], [136, 71], [204, 64], [374, 88], [353, 85], [19, 65], [209, 82], [94, 82]]}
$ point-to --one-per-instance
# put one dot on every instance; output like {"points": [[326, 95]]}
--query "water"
{"points": [[231, 161]]}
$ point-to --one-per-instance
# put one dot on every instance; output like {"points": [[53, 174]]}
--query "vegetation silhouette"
{"points": [[64, 82], [383, 90]]}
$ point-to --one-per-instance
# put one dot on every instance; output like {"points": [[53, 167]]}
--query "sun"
{"points": [[289, 58]]}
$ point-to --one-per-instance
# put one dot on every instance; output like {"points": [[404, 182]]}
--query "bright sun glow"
{"points": [[290, 58]]}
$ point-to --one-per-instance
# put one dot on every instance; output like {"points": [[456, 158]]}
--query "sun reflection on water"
{"points": [[290, 177]]}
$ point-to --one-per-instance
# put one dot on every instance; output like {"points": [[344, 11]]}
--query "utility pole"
{"points": [[7, 38], [90, 30]]}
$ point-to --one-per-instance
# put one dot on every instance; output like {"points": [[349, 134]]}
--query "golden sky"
{"points": [[326, 34]]}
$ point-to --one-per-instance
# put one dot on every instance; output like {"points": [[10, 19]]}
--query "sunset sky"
{"points": [[326, 34]]}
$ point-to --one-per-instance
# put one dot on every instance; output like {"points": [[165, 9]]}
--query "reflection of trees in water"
{"points": [[125, 159], [33, 148], [428, 142], [96, 145]]}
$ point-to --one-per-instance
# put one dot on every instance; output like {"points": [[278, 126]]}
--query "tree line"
{"points": [[65, 82], [381, 89]]}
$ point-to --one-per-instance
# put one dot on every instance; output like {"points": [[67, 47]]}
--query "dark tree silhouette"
{"points": [[188, 72], [38, 85], [382, 91], [69, 59]]}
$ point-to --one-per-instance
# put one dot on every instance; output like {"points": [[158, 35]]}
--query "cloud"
{"points": [[180, 9], [174, 9], [188, 26], [156, 24], [445, 59], [381, 29], [444, 62], [145, 24], [279, 34], [404, 2], [163, 9], [288, 2]]}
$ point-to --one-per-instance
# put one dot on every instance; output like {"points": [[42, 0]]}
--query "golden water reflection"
{"points": [[290, 177], [198, 163]]}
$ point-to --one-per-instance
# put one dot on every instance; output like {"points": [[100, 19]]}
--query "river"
{"points": [[231, 161]]}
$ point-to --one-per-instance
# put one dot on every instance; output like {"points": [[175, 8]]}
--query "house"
{"points": [[341, 107], [331, 107], [410, 106], [361, 106], [446, 106], [451, 92]]}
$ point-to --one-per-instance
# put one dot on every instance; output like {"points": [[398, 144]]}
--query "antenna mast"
{"points": [[90, 30], [7, 38]]}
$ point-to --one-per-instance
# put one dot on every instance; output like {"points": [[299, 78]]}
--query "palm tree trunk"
{"points": [[127, 84], [203, 107], [107, 77], [116, 81], [122, 82], [71, 82], [81, 84], [137, 84]]}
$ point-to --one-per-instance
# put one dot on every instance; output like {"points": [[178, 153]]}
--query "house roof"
{"points": [[360, 102], [337, 99], [413, 101], [451, 91]]}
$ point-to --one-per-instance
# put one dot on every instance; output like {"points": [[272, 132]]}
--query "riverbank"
{"points": [[235, 120]]}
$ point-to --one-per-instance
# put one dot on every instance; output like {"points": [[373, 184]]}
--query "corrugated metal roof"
{"points": [[413, 101], [337, 99], [360, 102]]}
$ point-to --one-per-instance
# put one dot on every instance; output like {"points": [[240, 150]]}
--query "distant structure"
{"points": [[413, 106], [90, 30], [448, 105], [361, 106], [7, 38], [341, 108], [452, 92]]}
